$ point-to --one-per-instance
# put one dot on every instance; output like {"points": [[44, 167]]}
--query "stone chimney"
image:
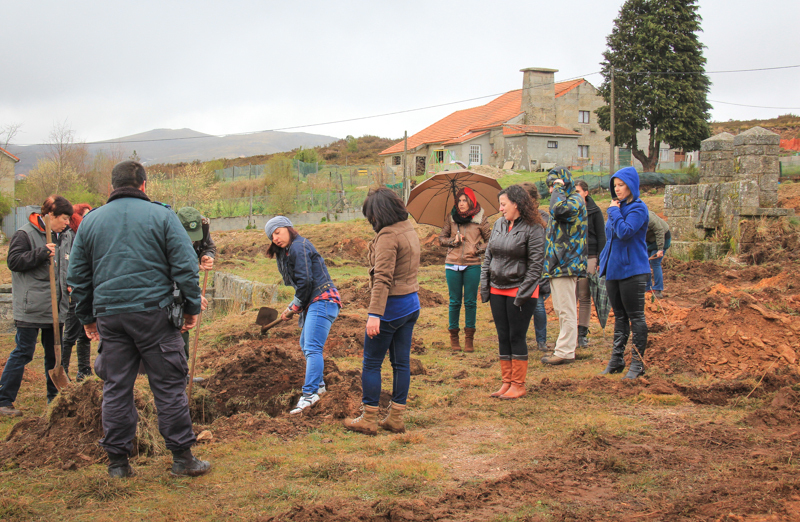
{"points": [[539, 96]]}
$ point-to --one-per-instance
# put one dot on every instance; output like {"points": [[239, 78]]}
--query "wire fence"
{"points": [[328, 201]]}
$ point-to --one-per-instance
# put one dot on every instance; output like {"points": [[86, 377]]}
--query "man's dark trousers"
{"points": [[20, 357], [128, 339]]}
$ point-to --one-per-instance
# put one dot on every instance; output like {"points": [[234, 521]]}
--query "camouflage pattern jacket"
{"points": [[565, 253]]}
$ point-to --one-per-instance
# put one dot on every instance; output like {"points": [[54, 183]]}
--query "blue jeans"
{"points": [[540, 319], [658, 275], [20, 357], [318, 320], [394, 337]]}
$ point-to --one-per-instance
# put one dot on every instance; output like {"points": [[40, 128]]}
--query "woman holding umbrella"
{"points": [[510, 276], [465, 231]]}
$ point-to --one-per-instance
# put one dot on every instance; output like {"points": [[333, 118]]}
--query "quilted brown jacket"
{"points": [[394, 262]]}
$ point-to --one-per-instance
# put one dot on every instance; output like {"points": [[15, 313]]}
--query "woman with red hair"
{"points": [[465, 233]]}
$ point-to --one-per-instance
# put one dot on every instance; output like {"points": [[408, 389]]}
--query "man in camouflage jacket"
{"points": [[565, 259]]}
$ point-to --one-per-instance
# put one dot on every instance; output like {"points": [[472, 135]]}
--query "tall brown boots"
{"points": [[505, 372], [394, 420], [519, 371], [469, 336], [366, 423], [454, 344]]}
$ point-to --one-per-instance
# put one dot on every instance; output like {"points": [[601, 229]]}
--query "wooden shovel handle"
{"points": [[53, 300]]}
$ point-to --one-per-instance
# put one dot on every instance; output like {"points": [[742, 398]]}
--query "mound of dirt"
{"points": [[67, 437], [783, 411], [729, 336], [771, 241]]}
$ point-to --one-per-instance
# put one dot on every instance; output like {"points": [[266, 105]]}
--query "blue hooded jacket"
{"points": [[625, 253]]}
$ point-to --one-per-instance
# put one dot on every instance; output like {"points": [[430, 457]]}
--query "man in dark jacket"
{"points": [[658, 240], [565, 259], [199, 230], [29, 256], [596, 240], [124, 261]]}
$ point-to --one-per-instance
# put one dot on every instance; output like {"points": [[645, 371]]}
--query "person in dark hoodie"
{"points": [[73, 329], [596, 236], [624, 263], [565, 260], [658, 241], [30, 253]]}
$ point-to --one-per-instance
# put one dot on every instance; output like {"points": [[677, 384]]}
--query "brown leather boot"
{"points": [[505, 372], [518, 373], [469, 336], [454, 344], [394, 421], [366, 423]]}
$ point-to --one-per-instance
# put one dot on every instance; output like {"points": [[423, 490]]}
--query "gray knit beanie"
{"points": [[276, 223]]}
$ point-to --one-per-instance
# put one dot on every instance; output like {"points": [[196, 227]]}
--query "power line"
{"points": [[406, 111], [755, 106]]}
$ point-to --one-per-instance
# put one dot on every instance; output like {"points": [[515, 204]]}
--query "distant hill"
{"points": [[179, 145], [788, 126]]}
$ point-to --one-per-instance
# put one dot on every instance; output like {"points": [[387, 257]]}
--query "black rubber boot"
{"points": [[83, 350], [184, 464], [66, 355], [617, 362], [583, 332], [640, 343], [118, 466]]}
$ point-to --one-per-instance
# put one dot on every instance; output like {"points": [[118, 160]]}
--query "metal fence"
{"points": [[16, 218], [302, 169]]}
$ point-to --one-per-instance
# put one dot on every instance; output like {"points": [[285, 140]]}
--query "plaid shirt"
{"points": [[329, 295]]}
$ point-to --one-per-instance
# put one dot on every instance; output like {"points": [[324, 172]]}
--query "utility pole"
{"points": [[611, 162], [405, 169]]}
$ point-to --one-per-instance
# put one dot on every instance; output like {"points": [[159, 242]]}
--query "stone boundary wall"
{"points": [[241, 294], [6, 310], [306, 218]]}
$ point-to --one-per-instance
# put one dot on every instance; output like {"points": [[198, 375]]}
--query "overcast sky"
{"points": [[112, 70]]}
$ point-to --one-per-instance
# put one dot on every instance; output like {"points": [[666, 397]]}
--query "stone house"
{"points": [[7, 163]]}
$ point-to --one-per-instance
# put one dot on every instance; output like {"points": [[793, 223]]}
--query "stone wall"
{"points": [[738, 182], [6, 310], [240, 294]]}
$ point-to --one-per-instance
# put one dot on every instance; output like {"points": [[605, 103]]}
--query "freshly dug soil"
{"points": [[68, 436]]}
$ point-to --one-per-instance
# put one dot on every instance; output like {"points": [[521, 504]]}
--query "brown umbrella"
{"points": [[433, 199]]}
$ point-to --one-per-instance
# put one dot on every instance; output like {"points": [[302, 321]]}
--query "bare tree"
{"points": [[8, 132]]}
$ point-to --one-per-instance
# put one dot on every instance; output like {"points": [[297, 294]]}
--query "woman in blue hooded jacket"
{"points": [[624, 263]]}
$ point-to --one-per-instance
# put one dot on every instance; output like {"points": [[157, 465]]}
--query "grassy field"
{"points": [[677, 445]]}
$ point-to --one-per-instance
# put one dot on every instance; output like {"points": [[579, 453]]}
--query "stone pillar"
{"points": [[755, 154], [539, 96], [716, 159]]}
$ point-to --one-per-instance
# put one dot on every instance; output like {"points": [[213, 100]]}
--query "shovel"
{"points": [[57, 374], [267, 318], [196, 340]]}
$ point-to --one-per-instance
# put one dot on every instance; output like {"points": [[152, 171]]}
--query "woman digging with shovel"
{"points": [[316, 299]]}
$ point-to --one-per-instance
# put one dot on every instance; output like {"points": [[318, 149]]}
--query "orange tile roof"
{"points": [[460, 126], [466, 137], [4, 151], [564, 87], [511, 130]]}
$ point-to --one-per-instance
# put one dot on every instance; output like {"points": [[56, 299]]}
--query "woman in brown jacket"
{"points": [[393, 310], [465, 233]]}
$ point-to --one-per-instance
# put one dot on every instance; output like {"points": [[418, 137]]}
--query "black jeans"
{"points": [[512, 325], [627, 300], [128, 339]]}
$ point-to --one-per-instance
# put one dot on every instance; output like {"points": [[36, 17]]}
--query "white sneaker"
{"points": [[305, 402], [321, 389]]}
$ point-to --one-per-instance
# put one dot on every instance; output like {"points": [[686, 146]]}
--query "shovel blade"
{"points": [[266, 315], [59, 377]]}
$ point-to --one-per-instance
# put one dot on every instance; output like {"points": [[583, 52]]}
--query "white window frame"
{"points": [[583, 116], [583, 151], [663, 155], [552, 144], [474, 155]]}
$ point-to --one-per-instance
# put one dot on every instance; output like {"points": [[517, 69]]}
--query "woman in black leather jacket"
{"points": [[512, 268]]}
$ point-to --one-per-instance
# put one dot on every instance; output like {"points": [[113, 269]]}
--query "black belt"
{"points": [[148, 304]]}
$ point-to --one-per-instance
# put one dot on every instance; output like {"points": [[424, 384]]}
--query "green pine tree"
{"points": [[656, 36]]}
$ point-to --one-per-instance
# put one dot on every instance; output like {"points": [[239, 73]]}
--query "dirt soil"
{"points": [[67, 437]]}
